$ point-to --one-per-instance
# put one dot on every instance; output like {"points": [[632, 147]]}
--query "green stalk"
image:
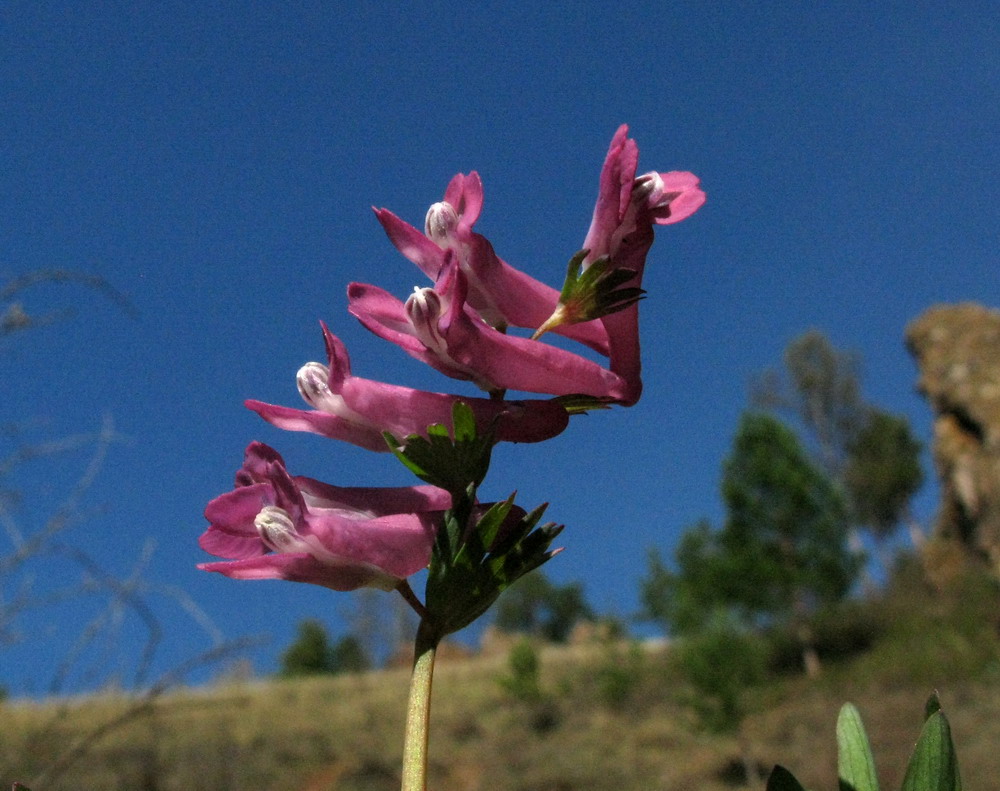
{"points": [[418, 710]]}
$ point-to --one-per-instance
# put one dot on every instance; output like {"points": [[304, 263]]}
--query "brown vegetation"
{"points": [[343, 733]]}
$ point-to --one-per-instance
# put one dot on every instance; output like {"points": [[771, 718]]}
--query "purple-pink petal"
{"points": [[472, 349], [302, 567], [465, 193], [274, 526], [322, 423], [686, 197], [412, 243], [494, 285], [375, 501]]}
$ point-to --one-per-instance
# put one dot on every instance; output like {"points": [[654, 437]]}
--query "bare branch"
{"points": [[65, 513], [95, 282]]}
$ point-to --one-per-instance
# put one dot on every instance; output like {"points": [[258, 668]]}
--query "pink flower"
{"points": [[274, 526], [622, 229], [357, 410], [501, 295], [435, 326]]}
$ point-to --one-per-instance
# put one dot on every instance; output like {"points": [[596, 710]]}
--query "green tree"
{"points": [[348, 655], [310, 654], [536, 606], [871, 454], [821, 386], [781, 555], [883, 473]]}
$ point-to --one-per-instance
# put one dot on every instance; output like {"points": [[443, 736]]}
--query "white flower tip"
{"points": [[276, 528], [423, 305], [424, 309], [646, 185], [312, 380], [440, 223]]}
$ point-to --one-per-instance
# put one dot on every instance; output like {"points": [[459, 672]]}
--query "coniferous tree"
{"points": [[782, 552], [883, 473], [871, 454], [310, 654]]}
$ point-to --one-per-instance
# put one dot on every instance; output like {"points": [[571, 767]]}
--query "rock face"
{"points": [[957, 348]]}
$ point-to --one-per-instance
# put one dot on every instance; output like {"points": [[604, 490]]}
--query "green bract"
{"points": [[591, 293], [479, 551]]}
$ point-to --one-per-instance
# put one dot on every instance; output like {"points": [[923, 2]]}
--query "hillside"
{"points": [[611, 717]]}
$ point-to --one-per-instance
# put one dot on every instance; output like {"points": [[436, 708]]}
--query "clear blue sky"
{"points": [[217, 163]]}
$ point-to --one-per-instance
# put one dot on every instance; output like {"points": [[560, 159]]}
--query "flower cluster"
{"points": [[274, 525]]}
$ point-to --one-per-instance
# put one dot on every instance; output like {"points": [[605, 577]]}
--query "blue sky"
{"points": [[216, 162]]}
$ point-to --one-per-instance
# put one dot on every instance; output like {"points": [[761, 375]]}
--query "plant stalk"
{"points": [[418, 709]]}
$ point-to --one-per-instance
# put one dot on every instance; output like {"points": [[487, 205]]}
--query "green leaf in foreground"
{"points": [[933, 765], [782, 780], [855, 764]]}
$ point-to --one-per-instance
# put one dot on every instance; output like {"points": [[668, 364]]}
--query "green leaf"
{"points": [[490, 523], [450, 459], [599, 290], [933, 765], [855, 765], [783, 780]]}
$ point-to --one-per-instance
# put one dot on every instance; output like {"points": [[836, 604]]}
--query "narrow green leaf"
{"points": [[572, 275], [514, 537], [464, 422], [578, 404], [490, 523], [399, 451], [783, 780], [933, 765], [855, 765]]}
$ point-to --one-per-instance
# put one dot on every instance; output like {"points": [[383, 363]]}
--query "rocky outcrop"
{"points": [[957, 348]]}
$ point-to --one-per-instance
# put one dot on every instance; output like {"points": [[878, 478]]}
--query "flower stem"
{"points": [[418, 710]]}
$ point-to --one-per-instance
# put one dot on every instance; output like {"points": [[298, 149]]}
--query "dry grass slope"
{"points": [[343, 733]]}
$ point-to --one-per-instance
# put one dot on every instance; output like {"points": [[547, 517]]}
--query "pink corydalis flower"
{"points": [[501, 295], [357, 410], [621, 230], [274, 526], [435, 326]]}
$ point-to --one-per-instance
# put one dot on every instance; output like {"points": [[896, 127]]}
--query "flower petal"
{"points": [[316, 422], [302, 567]]}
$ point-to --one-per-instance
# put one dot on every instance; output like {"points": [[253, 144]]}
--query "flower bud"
{"points": [[440, 223], [276, 529]]}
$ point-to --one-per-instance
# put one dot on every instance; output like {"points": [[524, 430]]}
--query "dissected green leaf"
{"points": [[783, 780], [452, 459], [933, 765], [855, 765]]}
